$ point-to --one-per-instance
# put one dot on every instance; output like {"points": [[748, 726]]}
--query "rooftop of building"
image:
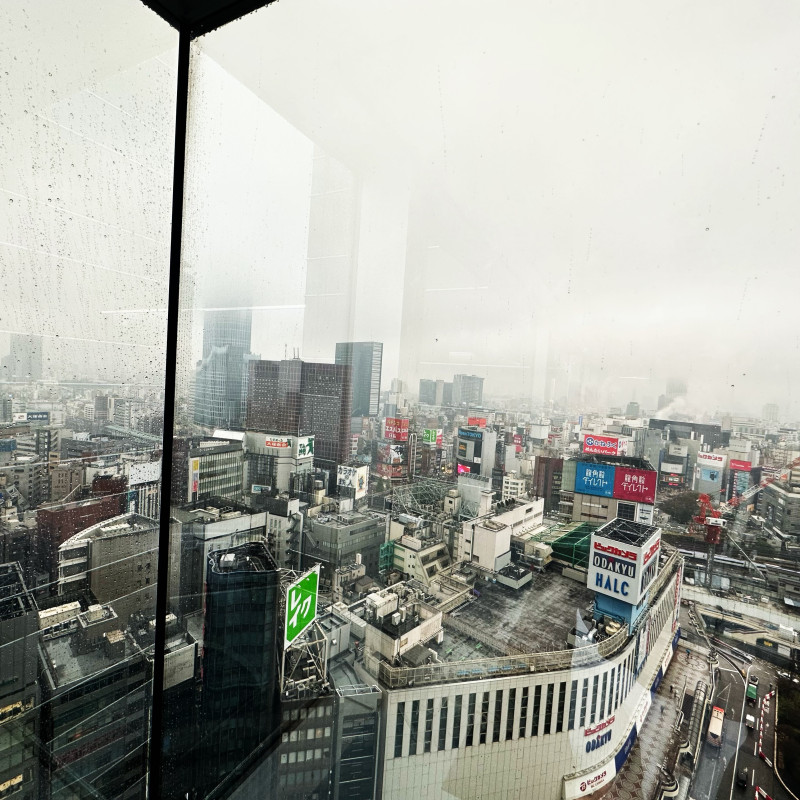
{"points": [[211, 510], [499, 621], [66, 664], [250, 557], [627, 531], [619, 461], [122, 525], [344, 519]]}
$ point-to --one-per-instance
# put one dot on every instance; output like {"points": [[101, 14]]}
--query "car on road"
{"points": [[750, 722], [742, 777], [753, 680]]}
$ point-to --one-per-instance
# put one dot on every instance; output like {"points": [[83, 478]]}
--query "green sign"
{"points": [[429, 435], [301, 605]]}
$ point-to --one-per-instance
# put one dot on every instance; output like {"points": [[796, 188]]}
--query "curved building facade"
{"points": [[551, 725]]}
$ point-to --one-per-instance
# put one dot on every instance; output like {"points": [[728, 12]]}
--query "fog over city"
{"points": [[582, 200]]}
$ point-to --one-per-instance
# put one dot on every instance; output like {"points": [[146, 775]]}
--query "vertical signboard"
{"points": [[194, 478], [301, 606]]}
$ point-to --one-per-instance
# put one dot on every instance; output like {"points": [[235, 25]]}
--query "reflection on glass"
{"points": [[87, 109]]}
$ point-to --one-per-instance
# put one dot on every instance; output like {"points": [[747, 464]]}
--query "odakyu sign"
{"points": [[623, 571]]}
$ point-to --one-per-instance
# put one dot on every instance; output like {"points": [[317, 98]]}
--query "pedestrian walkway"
{"points": [[639, 777]]}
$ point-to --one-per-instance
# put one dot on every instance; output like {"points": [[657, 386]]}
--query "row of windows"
{"points": [[541, 708]]}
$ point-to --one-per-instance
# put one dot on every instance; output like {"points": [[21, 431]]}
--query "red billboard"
{"points": [[517, 438], [638, 485], [601, 445], [741, 466], [461, 469], [479, 421], [396, 429]]}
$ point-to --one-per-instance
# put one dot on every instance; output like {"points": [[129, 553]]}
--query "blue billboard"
{"points": [[463, 433], [8, 445], [38, 416], [596, 479], [710, 475]]}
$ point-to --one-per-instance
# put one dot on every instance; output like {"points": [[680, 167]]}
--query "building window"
{"points": [[562, 697], [498, 713], [398, 730], [456, 740], [537, 701], [573, 702], [523, 712], [470, 719], [603, 696], [443, 724], [426, 744], [414, 728], [548, 708], [512, 703], [484, 717], [584, 698], [595, 698]]}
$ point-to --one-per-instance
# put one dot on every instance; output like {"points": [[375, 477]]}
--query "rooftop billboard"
{"points": [[741, 466], [396, 429], [716, 460], [601, 445], [353, 478], [595, 479], [638, 485], [623, 571]]}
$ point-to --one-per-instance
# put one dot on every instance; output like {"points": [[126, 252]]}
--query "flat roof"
{"points": [[534, 619], [626, 531]]}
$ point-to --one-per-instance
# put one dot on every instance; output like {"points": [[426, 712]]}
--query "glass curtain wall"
{"points": [[457, 291], [87, 109]]}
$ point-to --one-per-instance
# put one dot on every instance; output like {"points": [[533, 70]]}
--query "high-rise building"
{"points": [[240, 678], [19, 693], [300, 398], [427, 391], [467, 389], [24, 361], [365, 359], [221, 380]]}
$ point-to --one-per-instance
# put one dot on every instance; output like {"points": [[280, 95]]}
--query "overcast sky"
{"points": [[587, 197]]}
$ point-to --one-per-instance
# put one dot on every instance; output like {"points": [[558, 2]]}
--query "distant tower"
{"points": [[24, 361], [221, 382], [365, 359], [298, 397], [184, 372]]}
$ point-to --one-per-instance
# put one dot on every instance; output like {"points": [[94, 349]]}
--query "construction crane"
{"points": [[710, 523], [736, 501]]}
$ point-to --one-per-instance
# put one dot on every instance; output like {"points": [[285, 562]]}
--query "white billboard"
{"points": [[144, 473], [678, 450], [590, 782], [353, 478], [674, 469], [711, 460]]}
